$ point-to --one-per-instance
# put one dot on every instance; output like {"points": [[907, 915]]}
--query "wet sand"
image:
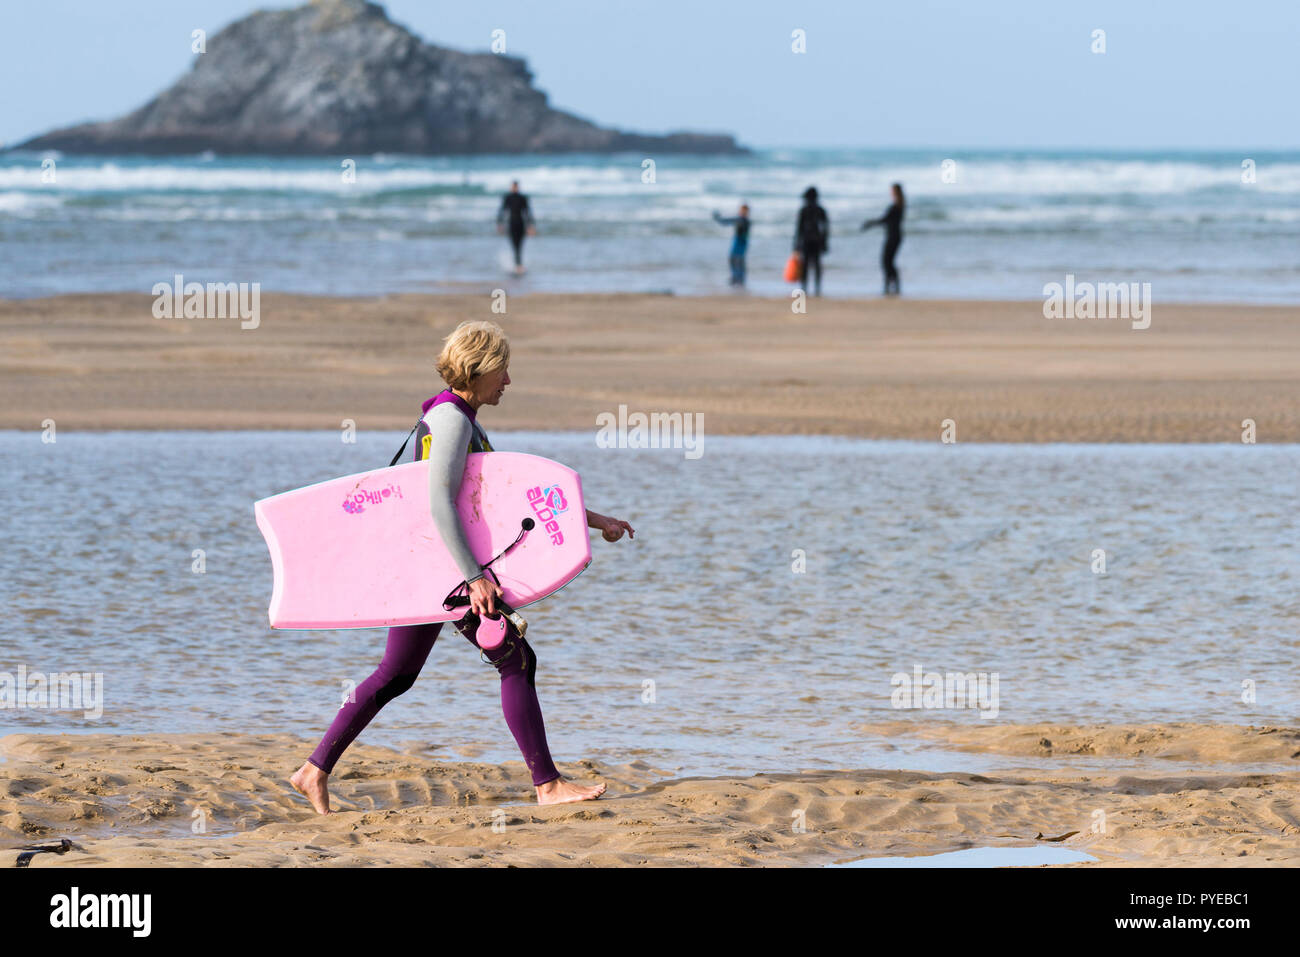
{"points": [[132, 800], [869, 368], [1179, 795]]}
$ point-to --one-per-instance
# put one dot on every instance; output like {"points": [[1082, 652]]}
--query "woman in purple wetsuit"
{"points": [[473, 363]]}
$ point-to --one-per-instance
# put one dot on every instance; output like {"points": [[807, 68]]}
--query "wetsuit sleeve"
{"points": [[726, 220], [505, 204], [883, 220], [826, 231], [449, 435], [528, 212]]}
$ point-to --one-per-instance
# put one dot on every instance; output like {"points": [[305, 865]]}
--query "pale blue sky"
{"points": [[1005, 73]]}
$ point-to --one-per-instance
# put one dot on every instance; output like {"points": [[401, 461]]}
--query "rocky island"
{"points": [[338, 77]]}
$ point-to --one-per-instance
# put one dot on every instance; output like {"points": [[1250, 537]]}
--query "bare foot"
{"points": [[311, 782], [561, 791]]}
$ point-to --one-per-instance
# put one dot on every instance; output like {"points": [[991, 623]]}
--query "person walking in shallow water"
{"points": [[514, 211], [812, 238], [893, 223]]}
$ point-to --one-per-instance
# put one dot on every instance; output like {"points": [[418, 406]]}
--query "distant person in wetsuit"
{"points": [[812, 238], [514, 205], [739, 243], [893, 223]]}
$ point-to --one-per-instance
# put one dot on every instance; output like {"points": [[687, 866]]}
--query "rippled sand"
{"points": [[867, 368], [131, 801], [1197, 743]]}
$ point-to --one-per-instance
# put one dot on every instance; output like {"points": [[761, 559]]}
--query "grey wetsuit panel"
{"points": [[450, 432]]}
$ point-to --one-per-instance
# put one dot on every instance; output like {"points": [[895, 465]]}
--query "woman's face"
{"points": [[490, 386]]}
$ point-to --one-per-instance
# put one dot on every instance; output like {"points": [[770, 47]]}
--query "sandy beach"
{"points": [[1174, 795], [135, 801], [868, 368]]}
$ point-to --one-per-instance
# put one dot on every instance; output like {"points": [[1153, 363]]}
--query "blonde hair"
{"points": [[473, 349]]}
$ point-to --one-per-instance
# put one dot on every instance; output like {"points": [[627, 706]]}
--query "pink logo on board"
{"points": [[355, 503], [547, 503]]}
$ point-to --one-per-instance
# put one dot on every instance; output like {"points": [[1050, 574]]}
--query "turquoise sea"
{"points": [[1198, 226]]}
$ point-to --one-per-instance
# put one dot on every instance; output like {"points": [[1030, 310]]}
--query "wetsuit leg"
{"points": [[516, 662], [517, 241], [812, 263], [805, 263], [887, 254], [407, 649]]}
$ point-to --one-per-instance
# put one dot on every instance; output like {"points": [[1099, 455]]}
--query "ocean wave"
{"points": [[110, 177], [669, 216], [17, 202], [762, 178]]}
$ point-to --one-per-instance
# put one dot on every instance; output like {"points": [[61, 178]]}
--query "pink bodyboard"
{"points": [[362, 551]]}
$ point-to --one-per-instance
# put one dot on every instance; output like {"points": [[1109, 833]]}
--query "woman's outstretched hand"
{"points": [[483, 593], [614, 529], [611, 529]]}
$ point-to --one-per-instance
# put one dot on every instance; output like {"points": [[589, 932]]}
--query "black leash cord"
{"points": [[454, 600]]}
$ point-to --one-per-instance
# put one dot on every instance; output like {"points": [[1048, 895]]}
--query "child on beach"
{"points": [[739, 244]]}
